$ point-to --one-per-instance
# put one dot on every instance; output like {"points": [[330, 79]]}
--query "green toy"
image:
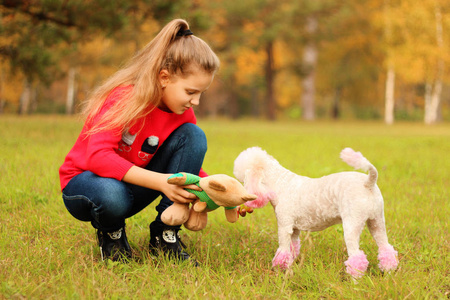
{"points": [[202, 196], [218, 190]]}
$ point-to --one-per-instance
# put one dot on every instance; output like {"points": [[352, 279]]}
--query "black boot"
{"points": [[166, 239], [114, 245]]}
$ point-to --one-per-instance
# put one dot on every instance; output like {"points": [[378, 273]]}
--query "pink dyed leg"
{"points": [[357, 264], [283, 259], [388, 258]]}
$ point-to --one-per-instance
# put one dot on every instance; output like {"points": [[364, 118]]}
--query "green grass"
{"points": [[47, 254]]}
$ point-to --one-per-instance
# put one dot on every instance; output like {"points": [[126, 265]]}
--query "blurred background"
{"points": [[323, 59]]}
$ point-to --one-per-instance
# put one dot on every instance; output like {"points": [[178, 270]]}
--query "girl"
{"points": [[140, 129]]}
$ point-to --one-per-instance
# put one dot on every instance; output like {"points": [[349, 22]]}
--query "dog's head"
{"points": [[249, 168]]}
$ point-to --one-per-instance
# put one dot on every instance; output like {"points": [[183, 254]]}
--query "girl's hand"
{"points": [[158, 181], [178, 193]]}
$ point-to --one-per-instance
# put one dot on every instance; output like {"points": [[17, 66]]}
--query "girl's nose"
{"points": [[195, 100]]}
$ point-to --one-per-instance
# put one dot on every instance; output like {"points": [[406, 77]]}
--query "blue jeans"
{"points": [[107, 202]]}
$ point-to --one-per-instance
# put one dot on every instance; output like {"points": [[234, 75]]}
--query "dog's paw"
{"points": [[388, 259], [357, 265]]}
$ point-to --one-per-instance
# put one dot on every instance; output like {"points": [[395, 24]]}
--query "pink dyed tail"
{"points": [[359, 162]]}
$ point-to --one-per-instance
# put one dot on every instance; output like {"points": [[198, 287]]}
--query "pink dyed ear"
{"points": [[253, 184], [261, 201]]}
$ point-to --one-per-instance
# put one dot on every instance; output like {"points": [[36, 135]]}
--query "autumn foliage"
{"points": [[300, 59]]}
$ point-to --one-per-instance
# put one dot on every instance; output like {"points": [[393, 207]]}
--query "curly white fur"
{"points": [[313, 204]]}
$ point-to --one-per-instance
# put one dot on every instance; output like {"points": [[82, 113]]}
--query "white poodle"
{"points": [[313, 204]]}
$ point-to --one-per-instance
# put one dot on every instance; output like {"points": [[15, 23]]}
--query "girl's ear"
{"points": [[164, 77]]}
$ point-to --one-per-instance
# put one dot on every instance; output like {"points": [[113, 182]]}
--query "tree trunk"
{"points": [[2, 91], [255, 106], [25, 98], [233, 105], [389, 97], [433, 93], [335, 112], [309, 62], [71, 91], [427, 96], [432, 101], [33, 99], [270, 98]]}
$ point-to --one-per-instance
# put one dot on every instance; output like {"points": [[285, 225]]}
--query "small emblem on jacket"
{"points": [[148, 148], [126, 142], [150, 144], [128, 138]]}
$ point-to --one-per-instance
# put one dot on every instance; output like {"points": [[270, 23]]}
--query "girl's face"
{"points": [[181, 93]]}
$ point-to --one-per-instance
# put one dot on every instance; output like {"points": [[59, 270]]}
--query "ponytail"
{"points": [[174, 49]]}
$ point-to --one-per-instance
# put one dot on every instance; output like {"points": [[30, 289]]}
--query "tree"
{"points": [[340, 55], [310, 53], [235, 34], [390, 76], [71, 91], [433, 91], [37, 35], [415, 50], [389, 96], [31, 29]]}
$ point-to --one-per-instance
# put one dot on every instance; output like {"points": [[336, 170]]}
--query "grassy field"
{"points": [[47, 254]]}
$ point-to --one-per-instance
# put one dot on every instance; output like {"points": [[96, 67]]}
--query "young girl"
{"points": [[140, 129]]}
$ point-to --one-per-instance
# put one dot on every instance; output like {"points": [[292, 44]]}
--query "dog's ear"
{"points": [[254, 184]]}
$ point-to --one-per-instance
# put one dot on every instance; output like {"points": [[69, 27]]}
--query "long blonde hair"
{"points": [[174, 53]]}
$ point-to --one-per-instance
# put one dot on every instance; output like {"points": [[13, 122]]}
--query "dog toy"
{"points": [[218, 190], [313, 204]]}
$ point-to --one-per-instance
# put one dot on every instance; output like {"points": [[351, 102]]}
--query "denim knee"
{"points": [[104, 201], [115, 202], [194, 137]]}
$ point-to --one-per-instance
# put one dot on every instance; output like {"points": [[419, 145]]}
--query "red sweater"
{"points": [[112, 153]]}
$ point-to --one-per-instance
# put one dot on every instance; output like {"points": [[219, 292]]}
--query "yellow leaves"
{"points": [[253, 32], [219, 38], [287, 85], [413, 68], [149, 28], [411, 37], [249, 64], [355, 41], [288, 90], [10, 85]]}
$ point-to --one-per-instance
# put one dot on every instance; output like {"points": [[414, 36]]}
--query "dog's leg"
{"points": [[283, 257], [357, 262], [295, 243], [387, 256]]}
